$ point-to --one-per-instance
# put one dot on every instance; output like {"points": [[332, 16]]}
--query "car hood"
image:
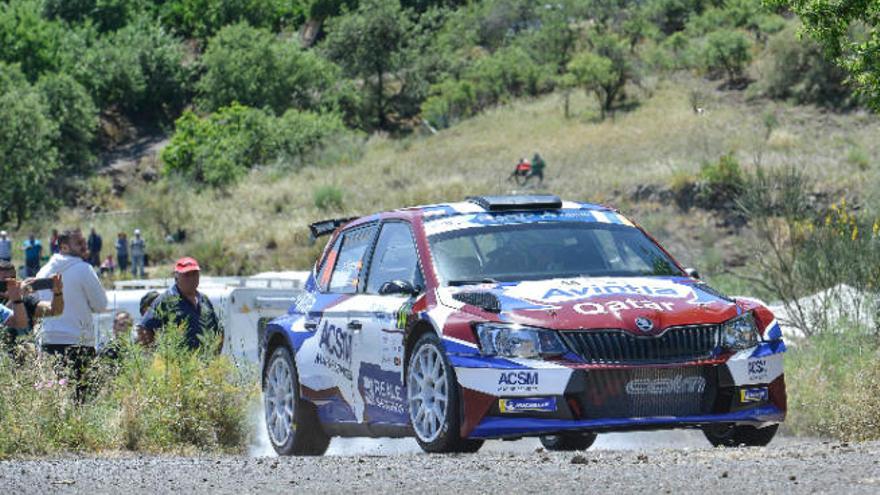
{"points": [[596, 302]]}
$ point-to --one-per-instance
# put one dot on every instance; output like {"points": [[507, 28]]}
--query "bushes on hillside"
{"points": [[203, 18], [72, 109], [797, 70], [252, 67], [28, 156], [219, 149], [726, 52], [138, 70]]}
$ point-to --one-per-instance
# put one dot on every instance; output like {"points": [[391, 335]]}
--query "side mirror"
{"points": [[398, 287], [692, 273]]}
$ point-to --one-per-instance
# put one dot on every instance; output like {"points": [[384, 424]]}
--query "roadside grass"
{"points": [[833, 382], [168, 399]]}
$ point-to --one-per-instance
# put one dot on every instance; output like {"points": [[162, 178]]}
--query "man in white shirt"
{"points": [[72, 335]]}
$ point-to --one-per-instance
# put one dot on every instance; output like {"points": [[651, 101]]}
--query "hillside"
{"points": [[260, 223]]}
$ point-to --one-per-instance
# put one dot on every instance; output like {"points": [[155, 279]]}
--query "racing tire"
{"points": [[726, 435], [434, 401], [566, 442], [291, 422]]}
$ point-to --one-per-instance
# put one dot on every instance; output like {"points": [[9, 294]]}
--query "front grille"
{"points": [[614, 346], [649, 392]]}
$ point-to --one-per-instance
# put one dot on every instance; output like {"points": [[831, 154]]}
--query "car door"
{"points": [[378, 344], [325, 361]]}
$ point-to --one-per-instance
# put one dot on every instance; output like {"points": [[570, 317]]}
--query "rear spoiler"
{"points": [[325, 227]]}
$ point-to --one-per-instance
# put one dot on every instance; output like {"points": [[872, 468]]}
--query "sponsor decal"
{"points": [[568, 290], [664, 386], [757, 369], [518, 381], [334, 350], [615, 307], [382, 389], [753, 394], [537, 404]]}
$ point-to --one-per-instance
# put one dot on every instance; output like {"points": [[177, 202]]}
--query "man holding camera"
{"points": [[71, 335], [34, 308]]}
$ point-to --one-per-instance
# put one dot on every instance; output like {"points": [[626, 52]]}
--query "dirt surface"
{"points": [[787, 466]]}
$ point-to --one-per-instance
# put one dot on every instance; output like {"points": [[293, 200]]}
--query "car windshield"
{"points": [[537, 251]]}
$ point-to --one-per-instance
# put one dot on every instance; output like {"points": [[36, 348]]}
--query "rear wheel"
{"points": [[728, 435], [568, 441], [291, 422], [434, 402]]}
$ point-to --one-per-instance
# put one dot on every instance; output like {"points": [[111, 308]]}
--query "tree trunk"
{"points": [[380, 98]]}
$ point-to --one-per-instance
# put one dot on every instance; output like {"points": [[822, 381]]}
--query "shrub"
{"points": [[29, 39], [797, 70], [252, 67], [108, 15], [833, 258], [203, 18], [138, 69], [720, 184], [27, 147], [73, 110], [221, 148], [328, 198], [726, 51]]}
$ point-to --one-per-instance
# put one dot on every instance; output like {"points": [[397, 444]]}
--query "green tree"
{"points": [[728, 51], [251, 66], [138, 69], [203, 18], [108, 15], [596, 75], [849, 32], [605, 70], [72, 109], [373, 43], [29, 39], [27, 152]]}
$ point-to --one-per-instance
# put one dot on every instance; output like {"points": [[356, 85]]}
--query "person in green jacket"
{"points": [[538, 165]]}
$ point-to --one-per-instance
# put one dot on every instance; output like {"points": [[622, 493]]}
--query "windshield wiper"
{"points": [[487, 280]]}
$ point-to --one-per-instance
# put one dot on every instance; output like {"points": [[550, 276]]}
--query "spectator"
{"points": [[147, 301], [13, 314], [521, 170], [107, 266], [538, 165], [122, 324], [54, 247], [5, 246], [122, 251], [33, 252], [34, 308], [138, 249], [71, 335], [182, 304], [95, 245]]}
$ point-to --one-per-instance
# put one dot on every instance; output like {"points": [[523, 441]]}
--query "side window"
{"points": [[327, 265], [350, 260], [395, 258]]}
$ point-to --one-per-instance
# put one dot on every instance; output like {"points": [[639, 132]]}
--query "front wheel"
{"points": [[568, 441], [727, 435], [291, 422], [434, 402]]}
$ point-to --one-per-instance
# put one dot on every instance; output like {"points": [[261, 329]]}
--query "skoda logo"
{"points": [[644, 324]]}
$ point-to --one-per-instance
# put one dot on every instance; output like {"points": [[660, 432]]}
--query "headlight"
{"points": [[739, 333], [516, 341]]}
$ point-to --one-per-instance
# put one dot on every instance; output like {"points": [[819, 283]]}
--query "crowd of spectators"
{"points": [[55, 302], [130, 256]]}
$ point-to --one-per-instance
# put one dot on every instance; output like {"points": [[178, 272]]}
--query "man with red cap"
{"points": [[182, 304]]}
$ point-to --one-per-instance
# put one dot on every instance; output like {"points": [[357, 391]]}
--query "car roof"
{"points": [[476, 205]]}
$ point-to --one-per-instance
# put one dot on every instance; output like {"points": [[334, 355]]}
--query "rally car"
{"points": [[513, 316]]}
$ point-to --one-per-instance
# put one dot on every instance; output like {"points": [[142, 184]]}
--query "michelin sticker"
{"points": [[546, 404]]}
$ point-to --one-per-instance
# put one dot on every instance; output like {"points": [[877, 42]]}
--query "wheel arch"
{"points": [[416, 331]]}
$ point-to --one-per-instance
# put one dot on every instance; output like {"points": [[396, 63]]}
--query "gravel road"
{"points": [[633, 463]]}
